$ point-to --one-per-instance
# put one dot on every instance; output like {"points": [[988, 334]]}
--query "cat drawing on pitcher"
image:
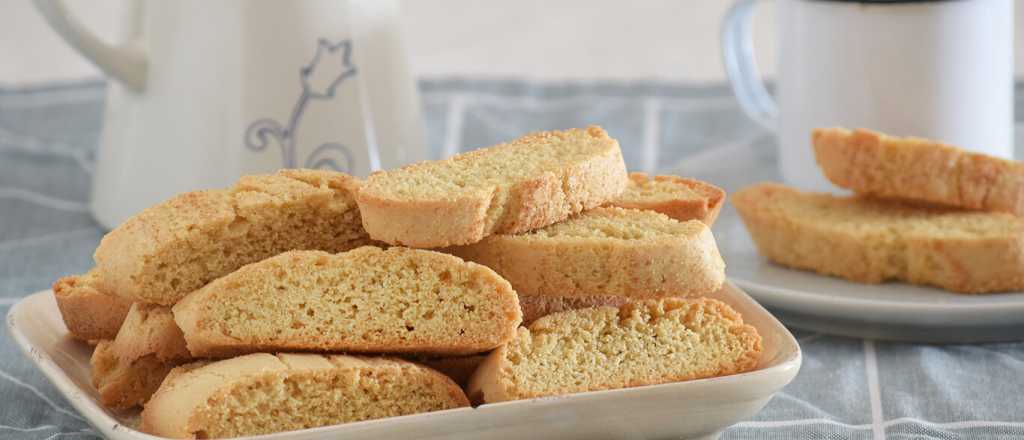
{"points": [[330, 67]]}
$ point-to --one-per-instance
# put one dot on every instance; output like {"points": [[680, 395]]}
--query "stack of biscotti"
{"points": [[651, 241], [924, 212], [207, 298], [640, 259], [163, 253]]}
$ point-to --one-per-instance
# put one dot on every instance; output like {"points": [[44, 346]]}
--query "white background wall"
{"points": [[674, 40]]}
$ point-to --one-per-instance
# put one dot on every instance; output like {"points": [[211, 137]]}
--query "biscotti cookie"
{"points": [[871, 241], [123, 384], [262, 393], [606, 252], [150, 330], [919, 169], [535, 307], [161, 254], [677, 197], [367, 300], [128, 370], [531, 182], [641, 343], [90, 313]]}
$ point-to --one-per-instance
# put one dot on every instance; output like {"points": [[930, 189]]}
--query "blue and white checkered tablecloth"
{"points": [[847, 388]]}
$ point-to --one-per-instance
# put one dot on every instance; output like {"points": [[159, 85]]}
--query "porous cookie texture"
{"points": [[166, 251], [641, 343], [366, 300], [89, 312], [124, 384], [870, 241], [531, 182], [129, 369], [872, 163], [606, 252], [535, 307], [677, 197], [150, 329], [263, 393]]}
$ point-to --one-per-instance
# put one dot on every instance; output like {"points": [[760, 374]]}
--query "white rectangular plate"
{"points": [[694, 409]]}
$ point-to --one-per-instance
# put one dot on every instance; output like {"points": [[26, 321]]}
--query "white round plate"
{"points": [[893, 311]]}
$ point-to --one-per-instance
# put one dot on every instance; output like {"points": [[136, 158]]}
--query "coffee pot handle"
{"points": [[126, 63], [738, 57]]}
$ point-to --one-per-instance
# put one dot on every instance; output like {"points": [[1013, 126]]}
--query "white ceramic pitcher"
{"points": [[205, 91]]}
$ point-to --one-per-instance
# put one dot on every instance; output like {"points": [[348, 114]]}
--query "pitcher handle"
{"points": [[126, 63], [738, 57]]}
